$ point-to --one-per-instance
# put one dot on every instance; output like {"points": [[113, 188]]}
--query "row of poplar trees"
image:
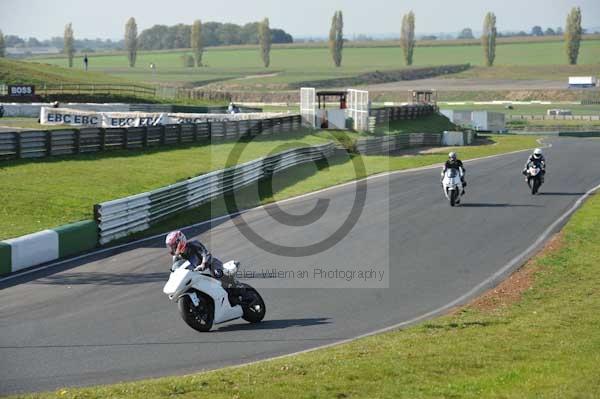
{"points": [[573, 32], [131, 42]]}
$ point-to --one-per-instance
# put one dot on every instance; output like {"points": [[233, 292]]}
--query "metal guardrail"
{"points": [[555, 117], [124, 216], [46, 143], [391, 143], [95, 89]]}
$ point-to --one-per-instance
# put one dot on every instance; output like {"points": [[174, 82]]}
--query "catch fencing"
{"points": [[119, 218], [47, 143]]}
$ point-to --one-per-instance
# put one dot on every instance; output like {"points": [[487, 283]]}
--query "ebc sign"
{"points": [[21, 90]]}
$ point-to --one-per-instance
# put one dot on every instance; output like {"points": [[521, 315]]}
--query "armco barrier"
{"points": [[124, 216], [47, 245], [386, 144], [47, 143]]}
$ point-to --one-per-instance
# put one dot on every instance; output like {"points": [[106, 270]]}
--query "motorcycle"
{"points": [[203, 300], [453, 187], [534, 178]]}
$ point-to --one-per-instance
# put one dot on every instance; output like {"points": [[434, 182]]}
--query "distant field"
{"points": [[240, 66], [527, 109]]}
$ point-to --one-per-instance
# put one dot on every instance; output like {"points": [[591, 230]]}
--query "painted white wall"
{"points": [[33, 249]]}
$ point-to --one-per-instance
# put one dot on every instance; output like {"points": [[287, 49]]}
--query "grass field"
{"points": [[313, 63], [542, 341]]}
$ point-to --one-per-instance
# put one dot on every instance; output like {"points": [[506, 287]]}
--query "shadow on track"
{"points": [[483, 205], [276, 324], [103, 278], [560, 194]]}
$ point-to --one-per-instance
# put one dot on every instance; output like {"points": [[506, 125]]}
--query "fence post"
{"points": [[179, 134], [48, 143], [195, 132], [102, 139], [18, 148], [162, 135], [77, 141], [145, 137], [209, 131], [126, 138]]}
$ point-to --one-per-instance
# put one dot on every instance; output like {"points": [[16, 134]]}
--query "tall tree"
{"points": [[197, 42], [488, 38], [2, 45], [131, 40], [573, 35], [336, 38], [68, 43], [466, 33], [264, 39], [407, 37]]}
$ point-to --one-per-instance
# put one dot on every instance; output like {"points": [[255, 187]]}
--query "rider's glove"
{"points": [[199, 268]]}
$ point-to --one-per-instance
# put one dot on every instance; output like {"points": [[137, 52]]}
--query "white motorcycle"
{"points": [[204, 300], [453, 187], [534, 177]]}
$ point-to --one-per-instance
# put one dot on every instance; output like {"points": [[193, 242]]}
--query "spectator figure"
{"points": [[85, 62], [55, 104], [1, 110]]}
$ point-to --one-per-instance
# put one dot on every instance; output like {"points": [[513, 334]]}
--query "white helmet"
{"points": [[537, 153], [452, 155]]}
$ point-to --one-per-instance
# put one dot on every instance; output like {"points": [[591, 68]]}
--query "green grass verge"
{"points": [[545, 345], [45, 193]]}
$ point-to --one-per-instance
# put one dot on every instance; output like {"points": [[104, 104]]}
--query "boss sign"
{"points": [[21, 90]]}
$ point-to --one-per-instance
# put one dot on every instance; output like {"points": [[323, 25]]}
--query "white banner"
{"points": [[66, 116]]}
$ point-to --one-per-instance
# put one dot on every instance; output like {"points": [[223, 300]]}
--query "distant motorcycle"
{"points": [[534, 177], [453, 187], [203, 300]]}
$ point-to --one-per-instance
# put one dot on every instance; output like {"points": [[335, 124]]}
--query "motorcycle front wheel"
{"points": [[453, 197], [200, 317], [535, 186]]}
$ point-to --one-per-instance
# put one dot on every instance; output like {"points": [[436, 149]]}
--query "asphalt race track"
{"points": [[104, 318]]}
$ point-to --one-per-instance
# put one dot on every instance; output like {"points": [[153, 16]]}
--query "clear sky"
{"points": [[106, 18]]}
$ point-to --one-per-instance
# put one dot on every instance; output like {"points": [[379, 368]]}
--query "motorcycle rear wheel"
{"points": [[252, 299], [200, 317]]}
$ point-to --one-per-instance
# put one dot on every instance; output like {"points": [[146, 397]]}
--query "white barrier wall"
{"points": [[33, 249]]}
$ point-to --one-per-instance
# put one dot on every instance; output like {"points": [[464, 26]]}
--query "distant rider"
{"points": [[454, 163], [537, 159], [194, 252]]}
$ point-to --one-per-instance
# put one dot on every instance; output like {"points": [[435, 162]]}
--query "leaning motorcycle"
{"points": [[452, 185], [534, 178], [203, 300]]}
